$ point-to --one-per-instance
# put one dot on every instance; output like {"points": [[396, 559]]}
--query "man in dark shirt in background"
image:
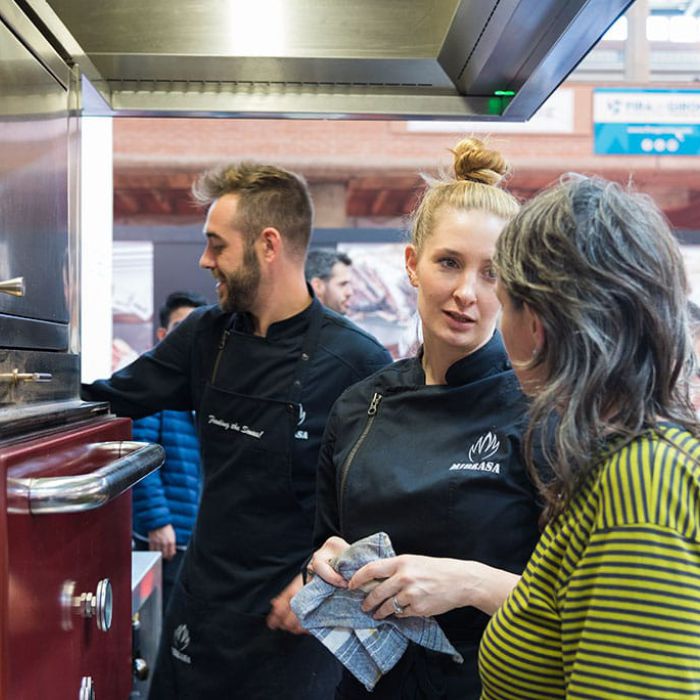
{"points": [[328, 273], [262, 370]]}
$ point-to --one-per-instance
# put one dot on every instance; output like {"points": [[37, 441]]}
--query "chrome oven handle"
{"points": [[73, 494]]}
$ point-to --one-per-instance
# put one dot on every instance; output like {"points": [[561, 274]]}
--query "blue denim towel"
{"points": [[368, 648]]}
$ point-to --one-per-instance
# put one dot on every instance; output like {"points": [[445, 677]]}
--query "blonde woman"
{"points": [[428, 449]]}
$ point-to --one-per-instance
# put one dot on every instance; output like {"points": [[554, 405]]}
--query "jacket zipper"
{"points": [[222, 345], [371, 415]]}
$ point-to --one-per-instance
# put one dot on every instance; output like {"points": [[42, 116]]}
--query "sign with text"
{"points": [[646, 122]]}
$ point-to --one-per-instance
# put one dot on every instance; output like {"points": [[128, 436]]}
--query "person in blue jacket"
{"points": [[428, 450], [165, 502]]}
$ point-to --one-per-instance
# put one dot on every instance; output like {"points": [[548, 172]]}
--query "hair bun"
{"points": [[474, 162]]}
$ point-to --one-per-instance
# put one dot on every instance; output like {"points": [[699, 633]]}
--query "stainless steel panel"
{"points": [[33, 184], [263, 100], [28, 333], [64, 369], [20, 24], [325, 58], [273, 28], [363, 71], [146, 610], [574, 35]]}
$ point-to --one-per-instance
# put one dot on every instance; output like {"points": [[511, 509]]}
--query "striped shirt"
{"points": [[609, 603]]}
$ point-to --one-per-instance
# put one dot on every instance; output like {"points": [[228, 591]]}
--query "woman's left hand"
{"points": [[421, 586]]}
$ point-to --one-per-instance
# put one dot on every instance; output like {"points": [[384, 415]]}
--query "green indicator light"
{"points": [[495, 105], [504, 93]]}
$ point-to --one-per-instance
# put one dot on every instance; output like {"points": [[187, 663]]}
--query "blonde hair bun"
{"points": [[475, 162]]}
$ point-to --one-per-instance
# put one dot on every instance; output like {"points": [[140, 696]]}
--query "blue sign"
{"points": [[647, 139], [646, 122]]}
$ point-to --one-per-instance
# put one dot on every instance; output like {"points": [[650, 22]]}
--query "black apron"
{"points": [[215, 642]]}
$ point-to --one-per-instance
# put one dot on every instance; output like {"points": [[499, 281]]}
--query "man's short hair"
{"points": [[268, 196], [320, 263], [178, 300]]}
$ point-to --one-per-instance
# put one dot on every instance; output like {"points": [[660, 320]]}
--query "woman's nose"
{"points": [[465, 291]]}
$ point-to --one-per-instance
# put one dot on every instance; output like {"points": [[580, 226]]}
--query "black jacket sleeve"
{"points": [[327, 522], [159, 379]]}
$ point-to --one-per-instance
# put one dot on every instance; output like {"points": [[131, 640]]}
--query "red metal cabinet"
{"points": [[47, 648]]}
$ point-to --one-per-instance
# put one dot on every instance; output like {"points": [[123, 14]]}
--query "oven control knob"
{"points": [[87, 688], [97, 604], [103, 606]]}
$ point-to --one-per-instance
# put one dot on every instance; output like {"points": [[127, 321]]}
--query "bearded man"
{"points": [[262, 370]]}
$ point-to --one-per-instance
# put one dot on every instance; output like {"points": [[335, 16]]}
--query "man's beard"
{"points": [[242, 285]]}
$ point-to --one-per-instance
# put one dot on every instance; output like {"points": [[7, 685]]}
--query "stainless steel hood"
{"points": [[451, 59]]}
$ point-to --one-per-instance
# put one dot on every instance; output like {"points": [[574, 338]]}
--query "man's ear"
{"points": [[318, 285], [411, 256], [161, 333], [270, 243]]}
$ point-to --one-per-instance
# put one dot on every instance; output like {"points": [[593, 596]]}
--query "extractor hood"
{"points": [[364, 59]]}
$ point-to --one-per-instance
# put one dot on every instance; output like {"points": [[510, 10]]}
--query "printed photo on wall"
{"points": [[383, 301], [132, 301]]}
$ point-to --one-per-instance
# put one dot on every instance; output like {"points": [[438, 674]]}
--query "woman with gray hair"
{"points": [[595, 321]]}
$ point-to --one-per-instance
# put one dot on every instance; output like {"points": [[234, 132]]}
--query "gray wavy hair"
{"points": [[600, 267]]}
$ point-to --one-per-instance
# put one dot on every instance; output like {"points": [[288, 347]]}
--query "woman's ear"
{"points": [[411, 257], [536, 329]]}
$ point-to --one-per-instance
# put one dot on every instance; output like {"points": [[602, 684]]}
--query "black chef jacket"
{"points": [[174, 375], [439, 469]]}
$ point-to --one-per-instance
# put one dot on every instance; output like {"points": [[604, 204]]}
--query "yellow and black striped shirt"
{"points": [[609, 603]]}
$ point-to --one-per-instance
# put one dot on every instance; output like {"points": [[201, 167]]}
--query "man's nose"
{"points": [[206, 261]]}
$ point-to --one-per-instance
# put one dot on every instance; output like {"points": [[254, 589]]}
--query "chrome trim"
{"points": [[104, 604], [87, 688], [74, 494], [14, 287], [33, 37], [23, 418]]}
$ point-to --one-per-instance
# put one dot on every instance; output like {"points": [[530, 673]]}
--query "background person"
{"points": [[165, 502], [428, 449], [262, 371], [328, 272], [595, 321]]}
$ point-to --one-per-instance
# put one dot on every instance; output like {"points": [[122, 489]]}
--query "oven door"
{"points": [[66, 622]]}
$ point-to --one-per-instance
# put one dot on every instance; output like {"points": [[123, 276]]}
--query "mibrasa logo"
{"points": [[181, 637], [484, 448]]}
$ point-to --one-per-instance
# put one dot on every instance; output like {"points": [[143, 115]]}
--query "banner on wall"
{"points": [[646, 122]]}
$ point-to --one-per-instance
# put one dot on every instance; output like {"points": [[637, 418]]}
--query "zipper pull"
{"points": [[224, 338], [374, 404]]}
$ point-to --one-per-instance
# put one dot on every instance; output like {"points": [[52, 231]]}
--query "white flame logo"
{"points": [[302, 414], [181, 637], [484, 448]]}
